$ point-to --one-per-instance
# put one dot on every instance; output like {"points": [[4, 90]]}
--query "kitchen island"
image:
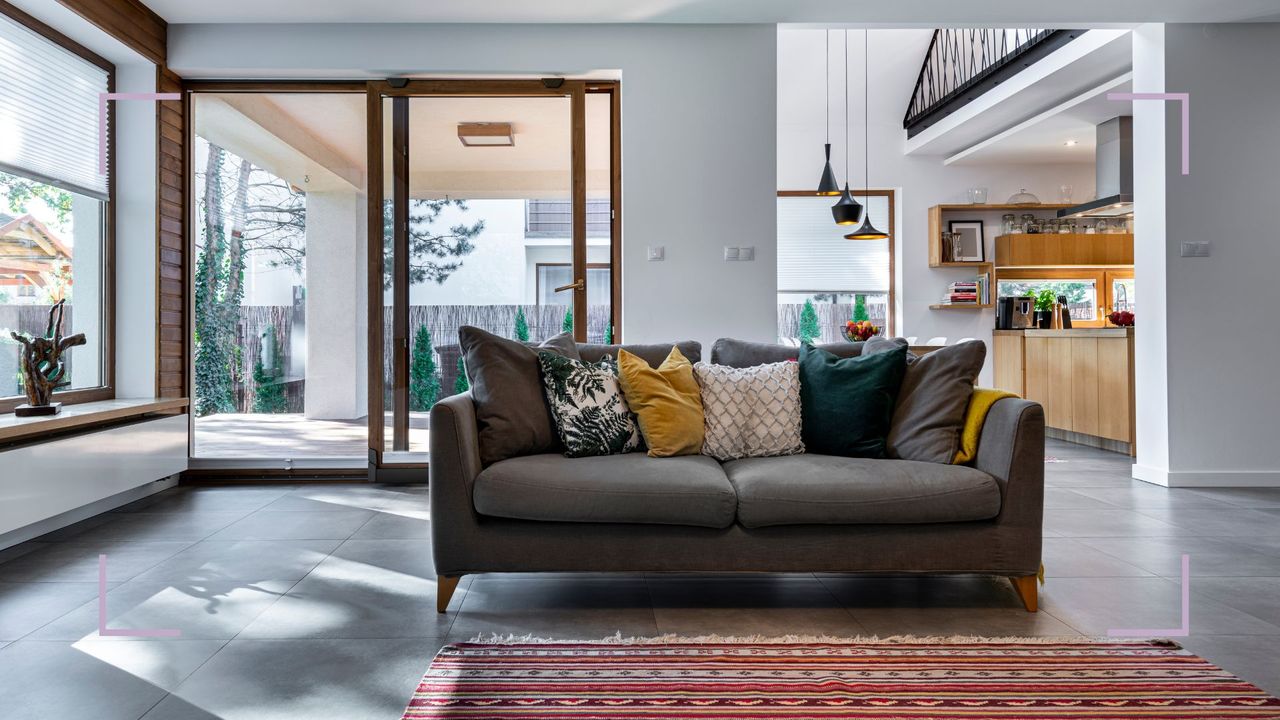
{"points": [[1083, 378]]}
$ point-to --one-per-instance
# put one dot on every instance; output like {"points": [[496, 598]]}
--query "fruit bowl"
{"points": [[860, 331], [1121, 318]]}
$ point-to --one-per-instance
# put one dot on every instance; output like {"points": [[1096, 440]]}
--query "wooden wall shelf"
{"points": [[937, 223], [961, 306], [1064, 249], [1027, 208]]}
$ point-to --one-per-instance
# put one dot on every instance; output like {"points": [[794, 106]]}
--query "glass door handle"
{"points": [[578, 284]]}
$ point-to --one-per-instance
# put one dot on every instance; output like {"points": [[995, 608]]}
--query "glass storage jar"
{"points": [[1030, 224], [1102, 227], [1007, 221]]}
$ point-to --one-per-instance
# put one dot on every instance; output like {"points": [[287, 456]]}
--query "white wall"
{"points": [[1222, 344], [699, 128], [922, 181], [135, 350], [337, 327], [1151, 344], [493, 273]]}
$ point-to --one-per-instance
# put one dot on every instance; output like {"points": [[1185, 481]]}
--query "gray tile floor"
{"points": [[318, 601]]}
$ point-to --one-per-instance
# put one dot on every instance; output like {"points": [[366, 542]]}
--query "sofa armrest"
{"points": [[455, 459], [1011, 449]]}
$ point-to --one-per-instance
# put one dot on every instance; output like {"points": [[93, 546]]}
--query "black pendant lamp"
{"points": [[866, 231], [846, 211], [828, 185]]}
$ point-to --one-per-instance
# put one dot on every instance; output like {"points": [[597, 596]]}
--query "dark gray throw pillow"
{"points": [[745, 354], [506, 385], [652, 353], [929, 416]]}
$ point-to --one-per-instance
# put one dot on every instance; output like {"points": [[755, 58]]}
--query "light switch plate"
{"points": [[730, 253], [1195, 248], [657, 252], [747, 253]]}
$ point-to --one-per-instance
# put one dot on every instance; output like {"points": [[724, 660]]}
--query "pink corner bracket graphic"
{"points": [[1185, 99], [103, 630]]}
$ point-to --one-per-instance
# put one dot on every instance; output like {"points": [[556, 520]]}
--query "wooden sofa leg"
{"points": [[445, 585], [1027, 589]]}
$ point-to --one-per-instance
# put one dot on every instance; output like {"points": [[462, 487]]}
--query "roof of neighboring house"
{"points": [[50, 243]]}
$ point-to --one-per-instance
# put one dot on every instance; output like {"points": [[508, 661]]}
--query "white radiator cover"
{"points": [[38, 482]]}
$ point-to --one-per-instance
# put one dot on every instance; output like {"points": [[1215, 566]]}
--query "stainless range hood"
{"points": [[1113, 168]]}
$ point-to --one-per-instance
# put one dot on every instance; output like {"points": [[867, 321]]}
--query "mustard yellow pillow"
{"points": [[667, 403]]}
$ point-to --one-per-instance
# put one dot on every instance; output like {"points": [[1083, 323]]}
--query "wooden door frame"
{"points": [[190, 88], [376, 92], [892, 195]]}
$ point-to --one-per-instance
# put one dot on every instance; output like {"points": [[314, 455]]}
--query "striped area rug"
{"points": [[899, 678]]}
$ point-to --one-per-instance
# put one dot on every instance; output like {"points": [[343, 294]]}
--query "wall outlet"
{"points": [[1195, 248], [747, 253], [730, 253], [657, 252]]}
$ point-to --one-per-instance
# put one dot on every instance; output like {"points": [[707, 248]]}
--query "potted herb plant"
{"points": [[1044, 308]]}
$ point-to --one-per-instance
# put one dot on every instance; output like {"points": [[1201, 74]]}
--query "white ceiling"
{"points": [[899, 13], [1044, 139], [317, 141]]}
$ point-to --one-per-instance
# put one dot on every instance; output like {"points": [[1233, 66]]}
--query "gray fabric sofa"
{"points": [[801, 513]]}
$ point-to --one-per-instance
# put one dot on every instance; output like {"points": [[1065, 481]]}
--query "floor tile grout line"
{"points": [[177, 686], [286, 592]]}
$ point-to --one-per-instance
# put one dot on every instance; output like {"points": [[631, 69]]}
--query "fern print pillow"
{"points": [[591, 415]]}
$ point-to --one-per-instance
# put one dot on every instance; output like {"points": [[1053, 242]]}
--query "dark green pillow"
{"points": [[846, 404]]}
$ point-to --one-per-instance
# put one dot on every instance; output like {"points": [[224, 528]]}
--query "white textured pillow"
{"points": [[750, 412]]}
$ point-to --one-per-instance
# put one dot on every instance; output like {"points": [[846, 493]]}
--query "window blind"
{"points": [[813, 255], [49, 111]]}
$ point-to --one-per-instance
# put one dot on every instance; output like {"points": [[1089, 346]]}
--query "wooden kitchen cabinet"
{"points": [[1084, 392], [1082, 377], [1009, 352]]}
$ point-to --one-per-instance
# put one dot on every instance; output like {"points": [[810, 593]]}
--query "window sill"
{"points": [[14, 429]]}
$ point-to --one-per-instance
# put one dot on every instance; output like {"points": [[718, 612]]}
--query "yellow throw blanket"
{"points": [[979, 404]]}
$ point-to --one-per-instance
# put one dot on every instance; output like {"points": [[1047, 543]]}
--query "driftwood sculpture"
{"points": [[43, 369]]}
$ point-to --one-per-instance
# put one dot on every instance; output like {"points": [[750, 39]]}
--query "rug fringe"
{"points": [[674, 639]]}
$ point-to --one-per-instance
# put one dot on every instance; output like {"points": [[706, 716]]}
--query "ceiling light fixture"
{"points": [[486, 134], [1071, 143], [866, 231], [847, 210], [827, 185]]}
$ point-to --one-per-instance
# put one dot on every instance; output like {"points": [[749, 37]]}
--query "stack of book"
{"points": [[962, 293], [969, 292]]}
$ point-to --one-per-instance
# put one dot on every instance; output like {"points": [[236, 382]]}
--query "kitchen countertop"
{"points": [[1073, 332]]}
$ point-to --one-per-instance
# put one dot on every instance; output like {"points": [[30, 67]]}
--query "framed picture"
{"points": [[969, 241]]}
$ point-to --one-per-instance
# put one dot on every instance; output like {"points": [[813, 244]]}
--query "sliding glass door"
{"points": [[497, 208], [278, 318]]}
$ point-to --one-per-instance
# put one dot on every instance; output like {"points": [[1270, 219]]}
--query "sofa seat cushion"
{"points": [[830, 490], [631, 488]]}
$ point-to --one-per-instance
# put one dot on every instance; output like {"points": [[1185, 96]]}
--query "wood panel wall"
{"points": [[171, 256]]}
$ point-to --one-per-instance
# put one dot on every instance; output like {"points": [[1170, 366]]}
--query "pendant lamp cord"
{"points": [[826, 88], [847, 156], [866, 111]]}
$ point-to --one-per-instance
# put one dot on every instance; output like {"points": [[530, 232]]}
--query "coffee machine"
{"points": [[1016, 312]]}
